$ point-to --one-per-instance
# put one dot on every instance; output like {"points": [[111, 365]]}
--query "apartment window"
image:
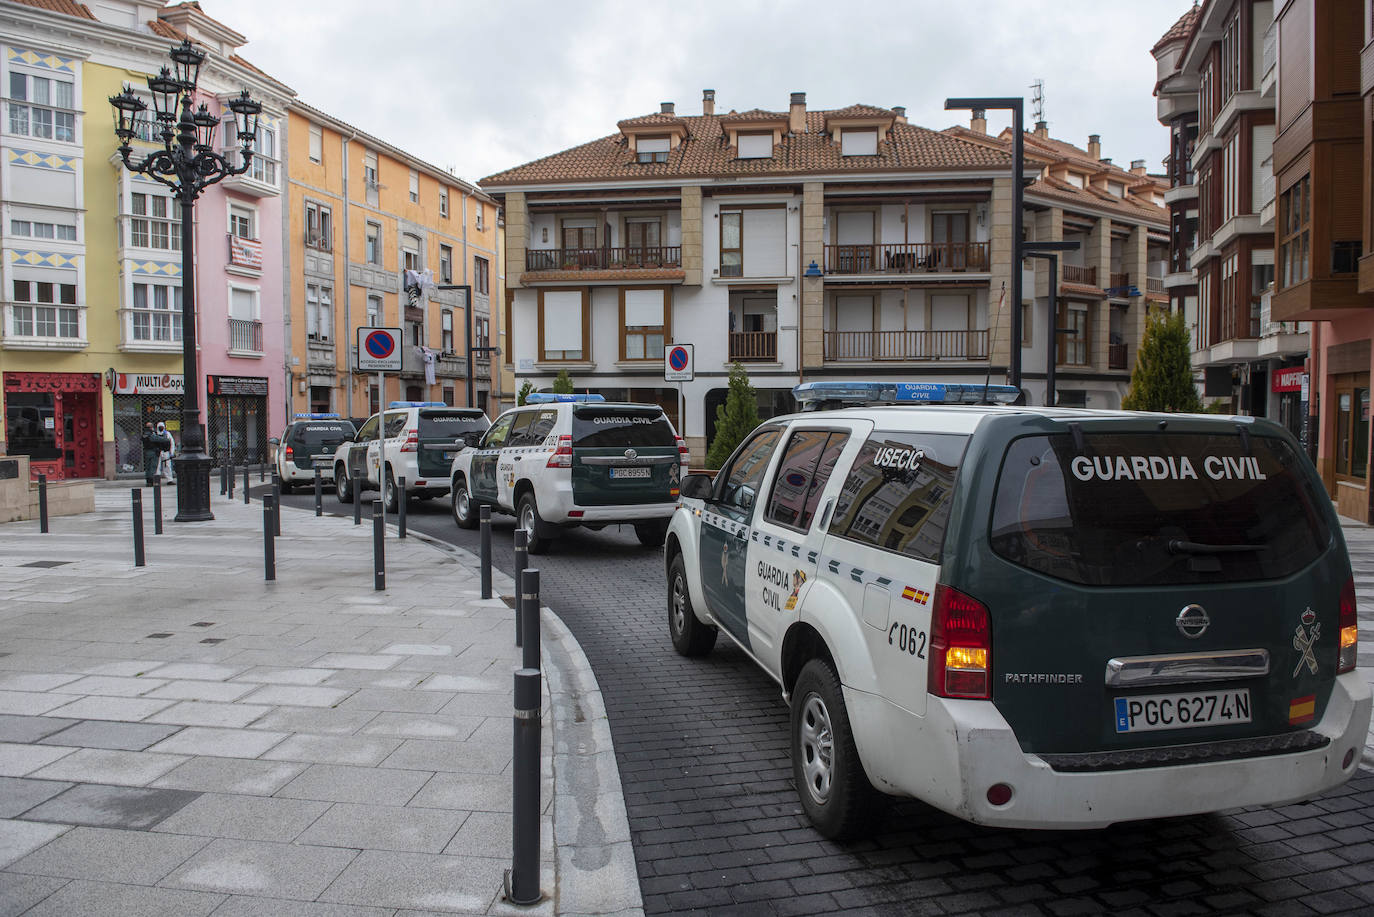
{"points": [[319, 226], [374, 243], [753, 242], [61, 232], [370, 177], [319, 312], [410, 252], [448, 395], [446, 331], [1204, 98], [859, 143], [443, 203], [374, 311], [1027, 323], [481, 216], [154, 222], [1229, 317], [41, 107], [480, 272], [1230, 58], [241, 222], [652, 149], [48, 315], [731, 243], [1073, 345], [1230, 180], [564, 324], [1116, 189], [1295, 214], [641, 233], [506, 326], [446, 264], [1345, 257], [643, 323], [1074, 179], [481, 334], [316, 143], [414, 187], [756, 145], [156, 313]]}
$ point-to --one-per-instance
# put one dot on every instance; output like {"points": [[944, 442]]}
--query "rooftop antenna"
{"points": [[1038, 100]]}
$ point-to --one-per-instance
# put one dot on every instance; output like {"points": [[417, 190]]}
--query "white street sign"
{"points": [[379, 350], [678, 363]]}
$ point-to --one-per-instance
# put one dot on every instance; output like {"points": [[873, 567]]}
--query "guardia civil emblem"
{"points": [[1304, 638]]}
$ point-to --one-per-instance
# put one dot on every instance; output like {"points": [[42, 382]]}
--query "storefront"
{"points": [[142, 398], [238, 418], [54, 419], [1285, 383]]}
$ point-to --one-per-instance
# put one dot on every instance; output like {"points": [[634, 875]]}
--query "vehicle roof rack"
{"points": [[828, 396]]}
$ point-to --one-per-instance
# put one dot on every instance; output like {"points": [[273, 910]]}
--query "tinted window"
{"points": [[739, 481], [321, 433], [496, 436], [445, 425], [806, 466], [620, 428], [369, 430], [898, 494], [395, 424], [1147, 508]]}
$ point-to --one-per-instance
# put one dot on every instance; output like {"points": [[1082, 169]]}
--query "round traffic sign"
{"points": [[677, 359], [379, 345]]}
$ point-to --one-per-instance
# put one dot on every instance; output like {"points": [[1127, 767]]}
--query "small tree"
{"points": [[524, 390], [1163, 375], [563, 385], [735, 419]]}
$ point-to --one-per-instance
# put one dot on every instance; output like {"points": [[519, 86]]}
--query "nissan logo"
{"points": [[630, 453], [1192, 621]]}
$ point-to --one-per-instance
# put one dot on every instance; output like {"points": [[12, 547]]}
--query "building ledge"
{"points": [[1237, 350], [584, 278], [246, 354], [942, 279], [1284, 345], [1180, 279], [168, 347], [1239, 225], [1180, 193]]}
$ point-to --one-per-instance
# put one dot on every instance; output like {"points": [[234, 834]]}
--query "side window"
{"points": [[369, 430], [541, 427], [496, 436], [740, 481], [395, 424], [519, 431], [898, 494], [805, 468]]}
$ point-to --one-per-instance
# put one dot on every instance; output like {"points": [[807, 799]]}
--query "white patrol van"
{"points": [[1029, 617], [414, 440], [561, 461]]}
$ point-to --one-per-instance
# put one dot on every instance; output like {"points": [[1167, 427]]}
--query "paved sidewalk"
{"points": [[185, 738], [1359, 542]]}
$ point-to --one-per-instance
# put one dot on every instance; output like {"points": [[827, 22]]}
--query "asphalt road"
{"points": [[717, 827]]}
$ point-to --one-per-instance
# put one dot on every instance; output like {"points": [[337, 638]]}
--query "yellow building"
{"points": [[361, 212]]}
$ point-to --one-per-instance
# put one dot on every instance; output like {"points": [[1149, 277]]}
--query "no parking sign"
{"points": [[678, 362], [379, 350]]}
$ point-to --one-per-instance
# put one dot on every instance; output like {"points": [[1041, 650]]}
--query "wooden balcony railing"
{"points": [[906, 345], [1084, 275], [1116, 356], [1115, 279], [754, 346], [906, 258], [1154, 284], [603, 259], [245, 335]]}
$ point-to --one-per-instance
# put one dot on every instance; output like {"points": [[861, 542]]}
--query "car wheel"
{"points": [[528, 515], [343, 486], [832, 785], [651, 534], [690, 636], [464, 510], [287, 486], [391, 495]]}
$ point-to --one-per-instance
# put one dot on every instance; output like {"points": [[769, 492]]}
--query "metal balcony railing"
{"points": [[1116, 356], [906, 258], [245, 335]]}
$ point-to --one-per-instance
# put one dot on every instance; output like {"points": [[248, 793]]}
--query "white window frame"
{"points": [[443, 202], [319, 312], [316, 143], [129, 219], [237, 211], [171, 311], [414, 187], [56, 113], [419, 252], [14, 307], [755, 145]]}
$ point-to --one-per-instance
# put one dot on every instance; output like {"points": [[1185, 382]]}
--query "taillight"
{"points": [[412, 443], [960, 646], [684, 455], [562, 456], [289, 452], [1350, 629]]}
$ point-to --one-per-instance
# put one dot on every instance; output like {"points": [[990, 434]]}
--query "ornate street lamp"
{"points": [[187, 163]]}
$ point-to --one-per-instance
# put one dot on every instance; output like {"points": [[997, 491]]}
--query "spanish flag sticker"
{"points": [[1302, 709]]}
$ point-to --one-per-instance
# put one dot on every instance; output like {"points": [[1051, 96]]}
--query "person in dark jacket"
{"points": [[153, 446]]}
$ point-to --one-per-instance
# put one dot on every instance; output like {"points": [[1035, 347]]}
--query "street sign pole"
{"points": [[679, 366]]}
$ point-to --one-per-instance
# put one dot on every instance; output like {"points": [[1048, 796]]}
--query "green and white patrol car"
{"points": [[414, 440], [561, 461], [1029, 617], [309, 442]]}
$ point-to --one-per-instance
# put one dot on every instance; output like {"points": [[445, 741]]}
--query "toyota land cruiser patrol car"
{"points": [[561, 461], [1029, 617], [418, 440], [309, 441]]}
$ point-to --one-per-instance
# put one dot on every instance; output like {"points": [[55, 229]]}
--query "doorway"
{"points": [[1350, 402]]}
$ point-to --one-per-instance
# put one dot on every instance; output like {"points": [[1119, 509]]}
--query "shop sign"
{"points": [[1287, 380], [253, 386], [147, 384]]}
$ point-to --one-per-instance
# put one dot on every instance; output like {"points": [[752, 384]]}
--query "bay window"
{"points": [[156, 313], [41, 106]]}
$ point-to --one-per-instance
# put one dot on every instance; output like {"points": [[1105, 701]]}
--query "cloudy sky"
{"points": [[481, 87]]}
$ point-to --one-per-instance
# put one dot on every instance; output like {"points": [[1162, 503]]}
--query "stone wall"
{"points": [[19, 496]]}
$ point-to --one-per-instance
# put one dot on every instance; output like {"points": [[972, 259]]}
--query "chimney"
{"points": [[1094, 146], [1042, 130], [979, 122], [899, 113], [1105, 160], [665, 108], [1137, 167], [708, 101], [796, 114]]}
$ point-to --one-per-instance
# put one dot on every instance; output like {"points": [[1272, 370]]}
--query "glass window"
{"points": [[806, 467], [29, 420], [897, 496], [374, 243], [620, 428], [316, 143], [446, 264], [480, 275], [731, 245], [449, 425], [520, 428], [49, 113], [395, 423], [738, 483], [496, 436], [369, 428], [443, 203]]}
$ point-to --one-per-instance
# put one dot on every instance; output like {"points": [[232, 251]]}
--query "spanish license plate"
{"points": [[621, 473], [1153, 712]]}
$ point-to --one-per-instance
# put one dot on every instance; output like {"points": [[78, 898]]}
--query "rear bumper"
{"points": [[953, 754], [290, 472], [556, 506]]}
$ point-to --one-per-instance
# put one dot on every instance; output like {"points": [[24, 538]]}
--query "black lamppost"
{"points": [[187, 163]]}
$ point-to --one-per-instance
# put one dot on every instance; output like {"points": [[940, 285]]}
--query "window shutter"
{"points": [[859, 143], [765, 238], [563, 320], [756, 146], [643, 308]]}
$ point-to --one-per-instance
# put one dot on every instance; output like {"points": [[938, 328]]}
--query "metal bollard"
{"points": [[357, 499], [43, 503], [229, 470], [319, 492], [379, 544], [269, 547], [485, 517], [157, 509], [262, 472], [245, 483], [522, 556], [529, 611], [401, 511], [522, 879], [276, 504], [224, 477], [139, 559]]}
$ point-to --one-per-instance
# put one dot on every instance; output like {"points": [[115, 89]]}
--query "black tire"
{"points": [[831, 783], [527, 518], [467, 517], [690, 636], [343, 485], [651, 534], [287, 486], [391, 495]]}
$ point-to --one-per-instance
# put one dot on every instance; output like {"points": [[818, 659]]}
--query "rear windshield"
{"points": [[321, 433], [620, 428], [1139, 509], [437, 425]]}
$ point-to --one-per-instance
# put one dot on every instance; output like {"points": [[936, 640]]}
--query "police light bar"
{"points": [[551, 398], [815, 396], [417, 404], [317, 416]]}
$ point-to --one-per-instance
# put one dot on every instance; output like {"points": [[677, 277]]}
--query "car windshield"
{"points": [[312, 435], [450, 425], [621, 428]]}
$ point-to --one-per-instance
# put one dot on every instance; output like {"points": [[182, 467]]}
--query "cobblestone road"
{"points": [[717, 826]]}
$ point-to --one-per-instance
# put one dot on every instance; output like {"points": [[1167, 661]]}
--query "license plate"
{"points": [[619, 473], [1153, 712]]}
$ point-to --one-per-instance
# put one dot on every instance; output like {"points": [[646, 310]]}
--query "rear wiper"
{"points": [[1179, 546]]}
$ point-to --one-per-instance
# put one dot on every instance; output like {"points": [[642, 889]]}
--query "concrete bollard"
{"points": [[139, 559], [529, 613], [157, 509], [522, 879], [401, 508], [269, 547], [319, 492], [357, 499], [522, 557], [485, 568], [379, 544], [43, 503]]}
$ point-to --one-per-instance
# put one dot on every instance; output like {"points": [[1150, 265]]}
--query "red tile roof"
{"points": [[859, 111], [1180, 30], [65, 7]]}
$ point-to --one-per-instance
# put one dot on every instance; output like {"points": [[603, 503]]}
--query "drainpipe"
{"points": [[347, 284]]}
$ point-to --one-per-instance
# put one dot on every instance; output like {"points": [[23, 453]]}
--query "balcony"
{"points": [[908, 346], [753, 347], [1073, 273], [907, 258], [1118, 279], [1116, 356], [245, 337], [259, 181], [604, 259]]}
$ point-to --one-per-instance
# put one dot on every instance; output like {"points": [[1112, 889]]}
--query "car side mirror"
{"points": [[696, 486], [473, 438], [274, 441]]}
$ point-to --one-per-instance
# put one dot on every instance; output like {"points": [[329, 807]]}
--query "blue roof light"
{"points": [[550, 398], [416, 404], [317, 416], [814, 396]]}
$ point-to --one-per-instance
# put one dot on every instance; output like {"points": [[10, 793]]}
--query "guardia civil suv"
{"points": [[411, 440], [307, 444], [563, 461], [1029, 617]]}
